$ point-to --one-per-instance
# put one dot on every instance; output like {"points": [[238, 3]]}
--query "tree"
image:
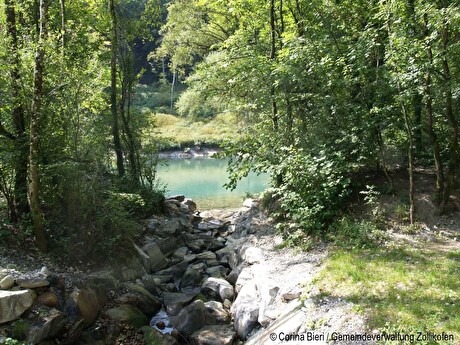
{"points": [[34, 131]]}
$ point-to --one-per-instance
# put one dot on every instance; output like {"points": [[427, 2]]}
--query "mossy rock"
{"points": [[128, 313]]}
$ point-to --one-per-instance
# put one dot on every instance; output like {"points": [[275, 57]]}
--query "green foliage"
{"points": [[350, 233], [11, 341], [89, 217]]}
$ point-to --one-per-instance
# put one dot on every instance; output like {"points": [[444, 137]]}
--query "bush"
{"points": [[88, 216]]}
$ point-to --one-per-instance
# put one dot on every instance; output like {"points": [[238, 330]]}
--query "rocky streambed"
{"points": [[196, 278]]}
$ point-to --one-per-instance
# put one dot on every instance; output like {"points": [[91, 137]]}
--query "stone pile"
{"points": [[198, 271]]}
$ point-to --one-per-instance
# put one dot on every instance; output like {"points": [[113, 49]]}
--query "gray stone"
{"points": [[32, 283], [170, 244], [155, 259], [244, 277], [191, 277], [190, 204], [217, 271], [216, 309], [175, 301], [149, 283], [196, 245], [245, 310], [128, 313], [131, 269], [47, 327], [191, 318], [218, 287], [289, 322], [144, 300], [178, 197], [214, 335], [199, 266], [176, 271], [6, 282], [252, 255], [206, 256], [14, 303], [180, 253]]}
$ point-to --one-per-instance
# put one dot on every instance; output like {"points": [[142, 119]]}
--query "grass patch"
{"points": [[173, 131], [402, 289]]}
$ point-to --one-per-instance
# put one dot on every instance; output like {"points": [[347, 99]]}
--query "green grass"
{"points": [[401, 289], [173, 131]]}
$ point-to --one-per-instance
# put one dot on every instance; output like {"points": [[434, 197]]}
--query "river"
{"points": [[202, 180]]}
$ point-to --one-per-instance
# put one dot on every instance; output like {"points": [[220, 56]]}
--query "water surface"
{"points": [[202, 180]]}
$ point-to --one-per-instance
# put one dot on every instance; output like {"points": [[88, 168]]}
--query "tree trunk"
{"points": [[452, 121], [34, 176], [113, 93], [272, 57], [21, 150], [63, 27], [430, 120]]}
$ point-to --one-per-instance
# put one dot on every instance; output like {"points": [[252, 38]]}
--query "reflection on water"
{"points": [[202, 179]]}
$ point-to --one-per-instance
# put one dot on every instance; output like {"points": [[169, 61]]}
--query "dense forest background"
{"points": [[325, 90]]}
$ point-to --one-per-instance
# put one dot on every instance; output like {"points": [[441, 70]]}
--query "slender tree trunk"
{"points": [[272, 57], [63, 26], [452, 121], [173, 83], [22, 153], [113, 93], [34, 174], [430, 120]]}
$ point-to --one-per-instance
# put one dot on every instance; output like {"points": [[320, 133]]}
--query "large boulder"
{"points": [[128, 313], [152, 257], [192, 318], [90, 301], [140, 297], [14, 303], [214, 335], [218, 287], [47, 327], [175, 301], [245, 310], [6, 282]]}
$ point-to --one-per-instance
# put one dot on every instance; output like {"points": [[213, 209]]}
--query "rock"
{"points": [[234, 274], [227, 257], [49, 299], [176, 271], [190, 204], [155, 260], [214, 335], [6, 282], [245, 310], [14, 303], [170, 244], [218, 287], [216, 309], [217, 271], [47, 327], [289, 296], [192, 318], [103, 279], [143, 299], [289, 322], [153, 337], [32, 283], [206, 256], [169, 227], [180, 253], [250, 203], [73, 335], [244, 277], [252, 255], [191, 277], [179, 197], [131, 269], [90, 301], [149, 283], [175, 301], [128, 313]]}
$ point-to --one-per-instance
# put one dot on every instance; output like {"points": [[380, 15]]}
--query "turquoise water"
{"points": [[202, 180]]}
